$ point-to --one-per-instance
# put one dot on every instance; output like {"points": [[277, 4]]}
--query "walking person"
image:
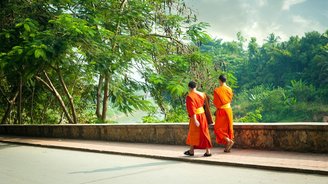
{"points": [[198, 135], [223, 127]]}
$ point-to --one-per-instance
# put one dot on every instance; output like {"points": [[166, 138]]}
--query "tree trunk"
{"points": [[105, 99], [32, 106], [70, 98], [52, 88], [19, 105], [9, 107], [100, 84], [61, 118], [160, 102], [5, 116]]}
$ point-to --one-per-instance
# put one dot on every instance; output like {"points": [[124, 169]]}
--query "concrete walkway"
{"points": [[271, 160]]}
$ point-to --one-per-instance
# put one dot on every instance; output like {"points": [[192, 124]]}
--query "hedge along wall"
{"points": [[300, 137]]}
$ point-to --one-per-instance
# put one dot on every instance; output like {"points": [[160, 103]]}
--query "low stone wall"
{"points": [[300, 137]]}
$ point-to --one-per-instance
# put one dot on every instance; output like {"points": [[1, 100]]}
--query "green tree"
{"points": [[67, 45]]}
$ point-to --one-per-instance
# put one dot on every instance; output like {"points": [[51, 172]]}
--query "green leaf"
{"points": [[176, 88], [7, 35], [20, 51], [19, 24], [27, 27], [39, 53], [156, 79], [16, 47]]}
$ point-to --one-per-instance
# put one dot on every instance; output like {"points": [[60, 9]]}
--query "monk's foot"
{"points": [[189, 153], [226, 148], [207, 154]]}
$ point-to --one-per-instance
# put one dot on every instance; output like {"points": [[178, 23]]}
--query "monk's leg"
{"points": [[191, 149], [208, 151], [228, 145]]}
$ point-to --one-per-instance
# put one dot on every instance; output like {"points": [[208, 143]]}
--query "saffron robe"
{"points": [[199, 137], [223, 126]]}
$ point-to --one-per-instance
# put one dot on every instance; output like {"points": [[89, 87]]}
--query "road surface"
{"points": [[35, 165]]}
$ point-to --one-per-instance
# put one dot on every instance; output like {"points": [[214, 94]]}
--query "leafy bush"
{"points": [[301, 91], [150, 119], [248, 103], [297, 102], [322, 95], [177, 115], [251, 117]]}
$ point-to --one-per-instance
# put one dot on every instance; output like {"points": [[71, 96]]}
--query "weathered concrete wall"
{"points": [[301, 137]]}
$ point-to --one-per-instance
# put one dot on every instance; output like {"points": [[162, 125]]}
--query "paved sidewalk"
{"points": [[271, 160]]}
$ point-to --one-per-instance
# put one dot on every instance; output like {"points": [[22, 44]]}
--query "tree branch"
{"points": [[45, 83], [4, 95], [183, 47]]}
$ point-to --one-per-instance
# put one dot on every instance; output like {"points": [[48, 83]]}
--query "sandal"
{"points": [[188, 153], [207, 154]]}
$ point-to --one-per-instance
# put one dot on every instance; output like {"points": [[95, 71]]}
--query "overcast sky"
{"points": [[259, 18]]}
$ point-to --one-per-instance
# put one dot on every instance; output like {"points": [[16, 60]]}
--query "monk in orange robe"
{"points": [[198, 135], [223, 127]]}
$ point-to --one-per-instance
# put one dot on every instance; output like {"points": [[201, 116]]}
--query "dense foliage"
{"points": [[68, 61], [278, 81]]}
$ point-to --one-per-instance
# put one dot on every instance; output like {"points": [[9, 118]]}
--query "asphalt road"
{"points": [[34, 165]]}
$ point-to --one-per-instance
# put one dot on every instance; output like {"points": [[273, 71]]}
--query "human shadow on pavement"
{"points": [[126, 167]]}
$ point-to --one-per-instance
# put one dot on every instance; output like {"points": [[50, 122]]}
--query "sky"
{"points": [[259, 18]]}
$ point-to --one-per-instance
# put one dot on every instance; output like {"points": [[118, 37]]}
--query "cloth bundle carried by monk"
{"points": [[207, 109]]}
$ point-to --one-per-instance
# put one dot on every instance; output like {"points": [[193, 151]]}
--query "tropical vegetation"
{"points": [[73, 61]]}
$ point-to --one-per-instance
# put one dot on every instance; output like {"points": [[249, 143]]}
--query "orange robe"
{"points": [[224, 118], [199, 137]]}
